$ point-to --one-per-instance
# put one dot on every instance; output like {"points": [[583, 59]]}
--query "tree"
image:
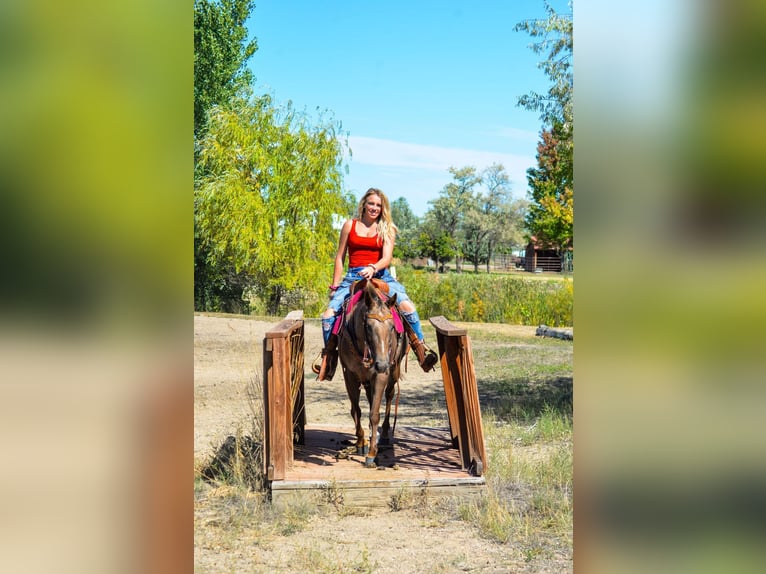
{"points": [[551, 214], [406, 246], [221, 52], [449, 209], [555, 33], [434, 242], [501, 216], [268, 194], [551, 183]]}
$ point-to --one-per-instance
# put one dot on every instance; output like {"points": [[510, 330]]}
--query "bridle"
{"points": [[364, 356]]}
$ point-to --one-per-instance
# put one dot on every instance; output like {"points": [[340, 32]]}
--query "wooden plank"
{"points": [[461, 393], [443, 326], [268, 468], [298, 390], [293, 320], [448, 380], [456, 344], [420, 462], [381, 498], [473, 413]]}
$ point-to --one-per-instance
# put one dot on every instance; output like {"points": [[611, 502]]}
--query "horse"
{"points": [[371, 347]]}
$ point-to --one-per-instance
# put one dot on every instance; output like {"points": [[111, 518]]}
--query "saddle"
{"points": [[355, 293]]}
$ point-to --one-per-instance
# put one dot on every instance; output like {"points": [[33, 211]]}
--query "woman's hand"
{"points": [[368, 272]]}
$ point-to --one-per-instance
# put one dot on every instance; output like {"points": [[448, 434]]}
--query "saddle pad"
{"points": [[398, 325]]}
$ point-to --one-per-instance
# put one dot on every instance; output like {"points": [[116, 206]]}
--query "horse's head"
{"points": [[380, 330]]}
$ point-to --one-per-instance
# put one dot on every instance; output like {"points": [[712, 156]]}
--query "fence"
{"points": [[462, 394], [283, 394]]}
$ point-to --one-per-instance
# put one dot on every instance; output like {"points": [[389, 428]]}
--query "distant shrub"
{"points": [[490, 298]]}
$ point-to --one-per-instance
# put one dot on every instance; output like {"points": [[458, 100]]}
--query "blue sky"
{"points": [[419, 86]]}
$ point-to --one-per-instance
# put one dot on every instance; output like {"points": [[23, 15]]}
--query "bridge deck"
{"points": [[421, 462]]}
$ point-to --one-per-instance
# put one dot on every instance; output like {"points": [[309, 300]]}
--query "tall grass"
{"points": [[487, 298], [479, 298], [529, 479]]}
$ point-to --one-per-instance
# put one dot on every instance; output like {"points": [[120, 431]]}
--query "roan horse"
{"points": [[371, 348]]}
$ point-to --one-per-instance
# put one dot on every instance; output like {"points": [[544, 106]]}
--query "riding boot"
{"points": [[329, 360], [426, 357]]}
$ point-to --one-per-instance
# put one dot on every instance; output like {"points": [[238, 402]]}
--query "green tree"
{"points": [[551, 214], [551, 183], [555, 36], [221, 52], [448, 211], [406, 246], [434, 242], [268, 195]]}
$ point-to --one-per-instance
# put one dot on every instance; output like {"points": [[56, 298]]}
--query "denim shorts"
{"points": [[340, 295]]}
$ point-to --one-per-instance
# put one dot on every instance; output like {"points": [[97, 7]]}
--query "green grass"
{"points": [[529, 483], [513, 298]]}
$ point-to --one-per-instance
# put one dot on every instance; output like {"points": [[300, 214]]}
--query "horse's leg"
{"points": [[386, 427], [352, 388], [378, 386]]}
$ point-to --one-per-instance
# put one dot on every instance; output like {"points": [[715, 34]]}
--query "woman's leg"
{"points": [[426, 357], [328, 320]]}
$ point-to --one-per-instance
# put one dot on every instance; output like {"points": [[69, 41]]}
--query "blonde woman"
{"points": [[368, 239]]}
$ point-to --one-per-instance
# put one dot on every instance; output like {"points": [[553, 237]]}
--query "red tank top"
{"points": [[362, 250]]}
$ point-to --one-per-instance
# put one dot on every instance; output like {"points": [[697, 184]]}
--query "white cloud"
{"points": [[394, 154]]}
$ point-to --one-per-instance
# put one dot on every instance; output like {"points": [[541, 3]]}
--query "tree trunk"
{"points": [[275, 299]]}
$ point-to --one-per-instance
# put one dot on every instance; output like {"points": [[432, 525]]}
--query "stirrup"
{"points": [[429, 360], [316, 366], [327, 366]]}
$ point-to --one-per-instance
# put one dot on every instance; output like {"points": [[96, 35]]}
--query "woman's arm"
{"points": [[340, 255], [382, 263]]}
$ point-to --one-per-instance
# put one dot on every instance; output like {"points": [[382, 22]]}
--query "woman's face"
{"points": [[372, 206]]}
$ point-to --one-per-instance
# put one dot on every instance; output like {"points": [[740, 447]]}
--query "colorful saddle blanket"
{"points": [[356, 292]]}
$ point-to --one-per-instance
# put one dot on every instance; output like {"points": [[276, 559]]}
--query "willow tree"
{"points": [[269, 193]]}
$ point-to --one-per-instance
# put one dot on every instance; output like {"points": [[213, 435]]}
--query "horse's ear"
{"points": [[369, 294], [391, 301]]}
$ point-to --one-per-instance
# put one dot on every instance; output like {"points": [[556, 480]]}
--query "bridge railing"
{"points": [[462, 394], [284, 402]]}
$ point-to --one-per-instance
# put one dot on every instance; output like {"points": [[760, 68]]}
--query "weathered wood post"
{"points": [[283, 394], [462, 394]]}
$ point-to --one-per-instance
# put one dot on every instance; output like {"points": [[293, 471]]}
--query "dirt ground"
{"points": [[228, 355]]}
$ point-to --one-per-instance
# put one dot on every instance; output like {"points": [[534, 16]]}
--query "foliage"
{"points": [[448, 212], [221, 51], [490, 298], [555, 35], [551, 183], [406, 246], [550, 218], [493, 223], [268, 194]]}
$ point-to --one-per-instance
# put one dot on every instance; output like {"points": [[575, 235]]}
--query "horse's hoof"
{"points": [[363, 449], [370, 462]]}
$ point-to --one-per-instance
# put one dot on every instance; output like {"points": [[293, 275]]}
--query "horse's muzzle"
{"points": [[381, 366]]}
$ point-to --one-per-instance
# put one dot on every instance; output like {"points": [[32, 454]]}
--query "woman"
{"points": [[369, 241]]}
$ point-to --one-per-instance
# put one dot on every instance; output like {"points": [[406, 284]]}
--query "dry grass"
{"points": [[525, 386]]}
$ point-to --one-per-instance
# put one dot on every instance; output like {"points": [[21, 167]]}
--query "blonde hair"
{"points": [[386, 227]]}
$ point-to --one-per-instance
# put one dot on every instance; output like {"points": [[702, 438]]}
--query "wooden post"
{"points": [[282, 384], [462, 394]]}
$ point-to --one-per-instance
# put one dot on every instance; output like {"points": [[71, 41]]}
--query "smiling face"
{"points": [[373, 206]]}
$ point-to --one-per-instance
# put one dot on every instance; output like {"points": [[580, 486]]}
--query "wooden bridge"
{"points": [[302, 459]]}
